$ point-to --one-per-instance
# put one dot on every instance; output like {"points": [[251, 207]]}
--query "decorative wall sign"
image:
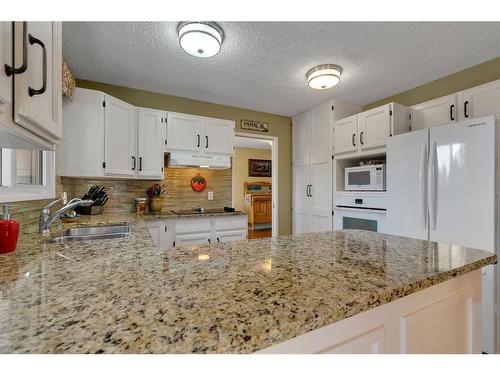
{"points": [[198, 183], [259, 168], [255, 126]]}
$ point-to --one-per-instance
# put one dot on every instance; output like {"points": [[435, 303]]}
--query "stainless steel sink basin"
{"points": [[93, 233]]}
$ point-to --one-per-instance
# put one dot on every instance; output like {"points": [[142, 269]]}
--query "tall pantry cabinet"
{"points": [[312, 135]]}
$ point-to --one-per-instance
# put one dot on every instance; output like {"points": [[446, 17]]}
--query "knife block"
{"points": [[89, 210]]}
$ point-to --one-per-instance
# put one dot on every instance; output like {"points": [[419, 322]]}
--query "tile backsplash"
{"points": [[121, 193]]}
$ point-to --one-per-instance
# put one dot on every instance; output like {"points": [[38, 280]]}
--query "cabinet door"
{"points": [[192, 239], [321, 168], [301, 201], [481, 101], [345, 135], [434, 112], [5, 82], [231, 236], [119, 138], [262, 209], [38, 101], [218, 136], [156, 230], [374, 127], [301, 139], [150, 143], [184, 132]]}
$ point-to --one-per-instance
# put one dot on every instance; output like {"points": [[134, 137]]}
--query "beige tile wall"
{"points": [[121, 193]]}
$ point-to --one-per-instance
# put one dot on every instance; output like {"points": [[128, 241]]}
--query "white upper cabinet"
{"points": [[218, 136], [374, 127], [370, 130], [480, 101], [150, 142], [81, 151], [345, 135], [184, 132], [37, 101], [434, 112], [119, 138], [199, 134], [32, 117]]}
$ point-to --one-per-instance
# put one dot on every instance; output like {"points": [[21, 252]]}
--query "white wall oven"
{"points": [[365, 211]]}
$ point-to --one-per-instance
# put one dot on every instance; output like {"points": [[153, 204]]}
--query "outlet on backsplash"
{"points": [[210, 195]]}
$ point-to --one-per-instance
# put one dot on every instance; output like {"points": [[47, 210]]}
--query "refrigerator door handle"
{"points": [[424, 168], [433, 187]]}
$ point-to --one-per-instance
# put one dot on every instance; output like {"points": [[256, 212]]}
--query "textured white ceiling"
{"points": [[262, 65], [252, 143]]}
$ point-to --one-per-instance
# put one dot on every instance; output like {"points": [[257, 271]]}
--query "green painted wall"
{"points": [[279, 126], [465, 79]]}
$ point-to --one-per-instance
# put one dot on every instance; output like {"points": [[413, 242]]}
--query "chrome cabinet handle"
{"points": [[466, 103], [451, 112], [140, 163], [32, 91], [10, 70], [362, 138], [310, 191], [206, 141], [197, 135], [133, 159], [354, 139]]}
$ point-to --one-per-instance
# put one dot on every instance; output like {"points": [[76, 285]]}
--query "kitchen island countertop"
{"points": [[126, 296]]}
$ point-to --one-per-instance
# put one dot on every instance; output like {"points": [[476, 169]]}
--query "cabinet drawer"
{"points": [[231, 222], [192, 239], [229, 236], [192, 226]]}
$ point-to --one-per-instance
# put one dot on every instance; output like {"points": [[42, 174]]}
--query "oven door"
{"points": [[359, 218]]}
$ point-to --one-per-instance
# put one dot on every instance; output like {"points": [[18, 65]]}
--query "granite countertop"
{"points": [[125, 296]]}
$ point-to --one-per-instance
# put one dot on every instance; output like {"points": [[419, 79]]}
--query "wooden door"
{"points": [[262, 209]]}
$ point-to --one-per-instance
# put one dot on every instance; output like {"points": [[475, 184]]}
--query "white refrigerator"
{"points": [[441, 185]]}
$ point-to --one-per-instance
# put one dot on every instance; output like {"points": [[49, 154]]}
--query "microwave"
{"points": [[366, 177]]}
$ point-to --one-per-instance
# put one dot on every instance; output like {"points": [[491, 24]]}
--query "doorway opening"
{"points": [[255, 182]]}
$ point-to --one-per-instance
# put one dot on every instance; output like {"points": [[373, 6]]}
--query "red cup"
{"points": [[9, 233]]}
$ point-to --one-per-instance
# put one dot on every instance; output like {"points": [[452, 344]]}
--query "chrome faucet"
{"points": [[46, 219]]}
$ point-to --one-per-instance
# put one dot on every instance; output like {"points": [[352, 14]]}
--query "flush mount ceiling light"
{"points": [[324, 76], [200, 39]]}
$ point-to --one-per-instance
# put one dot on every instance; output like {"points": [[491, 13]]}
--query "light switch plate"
{"points": [[210, 195]]}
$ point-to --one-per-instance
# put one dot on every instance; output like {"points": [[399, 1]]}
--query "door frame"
{"points": [[274, 161]]}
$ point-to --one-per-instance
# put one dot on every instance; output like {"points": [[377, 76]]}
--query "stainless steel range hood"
{"points": [[182, 159]]}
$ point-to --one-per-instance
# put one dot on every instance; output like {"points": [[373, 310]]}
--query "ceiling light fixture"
{"points": [[324, 76], [200, 39]]}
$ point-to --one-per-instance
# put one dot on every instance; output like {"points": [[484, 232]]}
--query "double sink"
{"points": [[93, 233]]}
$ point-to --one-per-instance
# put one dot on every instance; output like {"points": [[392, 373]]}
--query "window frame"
{"points": [[23, 192]]}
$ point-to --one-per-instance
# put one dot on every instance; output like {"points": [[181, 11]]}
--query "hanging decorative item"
{"points": [[255, 126], [198, 183], [68, 81]]}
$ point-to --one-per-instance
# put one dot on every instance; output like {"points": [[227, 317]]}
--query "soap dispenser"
{"points": [[9, 231]]}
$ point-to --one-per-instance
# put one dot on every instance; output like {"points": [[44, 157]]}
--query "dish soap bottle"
{"points": [[9, 231]]}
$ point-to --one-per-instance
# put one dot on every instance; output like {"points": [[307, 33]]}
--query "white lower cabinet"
{"points": [[198, 231], [162, 232]]}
